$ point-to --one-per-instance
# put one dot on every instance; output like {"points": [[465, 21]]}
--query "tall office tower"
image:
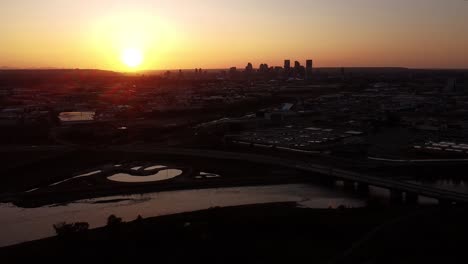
{"points": [[309, 65], [287, 64], [297, 65], [249, 67], [263, 68]]}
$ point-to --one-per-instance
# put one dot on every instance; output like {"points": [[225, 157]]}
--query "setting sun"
{"points": [[132, 57]]}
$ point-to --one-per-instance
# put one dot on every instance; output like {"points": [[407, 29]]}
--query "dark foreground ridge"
{"points": [[269, 233]]}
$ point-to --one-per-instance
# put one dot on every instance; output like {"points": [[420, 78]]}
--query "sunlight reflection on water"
{"points": [[20, 224]]}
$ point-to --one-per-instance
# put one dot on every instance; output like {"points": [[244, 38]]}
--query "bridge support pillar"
{"points": [[349, 185], [411, 198], [396, 196], [363, 188]]}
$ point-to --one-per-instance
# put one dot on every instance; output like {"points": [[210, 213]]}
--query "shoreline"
{"points": [[266, 233], [217, 219]]}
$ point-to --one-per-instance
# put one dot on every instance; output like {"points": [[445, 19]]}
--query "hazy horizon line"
{"points": [[226, 68]]}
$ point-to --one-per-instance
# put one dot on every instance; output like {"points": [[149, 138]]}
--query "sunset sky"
{"points": [[173, 34]]}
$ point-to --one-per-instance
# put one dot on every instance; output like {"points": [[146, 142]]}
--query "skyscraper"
{"points": [[297, 65], [309, 67], [249, 67], [263, 68], [287, 64]]}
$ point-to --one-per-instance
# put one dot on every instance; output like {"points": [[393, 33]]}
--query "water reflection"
{"points": [[208, 175], [19, 224], [76, 177], [155, 167], [76, 116], [159, 176]]}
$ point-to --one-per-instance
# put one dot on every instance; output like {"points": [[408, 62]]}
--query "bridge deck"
{"points": [[406, 187]]}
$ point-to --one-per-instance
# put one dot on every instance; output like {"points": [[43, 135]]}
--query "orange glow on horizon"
{"points": [[181, 34]]}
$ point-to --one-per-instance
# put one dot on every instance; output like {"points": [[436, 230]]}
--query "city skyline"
{"points": [[212, 34]]}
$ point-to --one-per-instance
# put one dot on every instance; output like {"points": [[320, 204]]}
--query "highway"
{"points": [[392, 185]]}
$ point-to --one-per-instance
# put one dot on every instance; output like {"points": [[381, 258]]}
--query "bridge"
{"points": [[399, 190]]}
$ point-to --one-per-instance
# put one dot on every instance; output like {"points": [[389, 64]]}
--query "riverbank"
{"points": [[266, 233], [279, 232], [254, 233], [19, 225]]}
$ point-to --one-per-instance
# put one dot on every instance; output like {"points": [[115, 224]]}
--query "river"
{"points": [[20, 224]]}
